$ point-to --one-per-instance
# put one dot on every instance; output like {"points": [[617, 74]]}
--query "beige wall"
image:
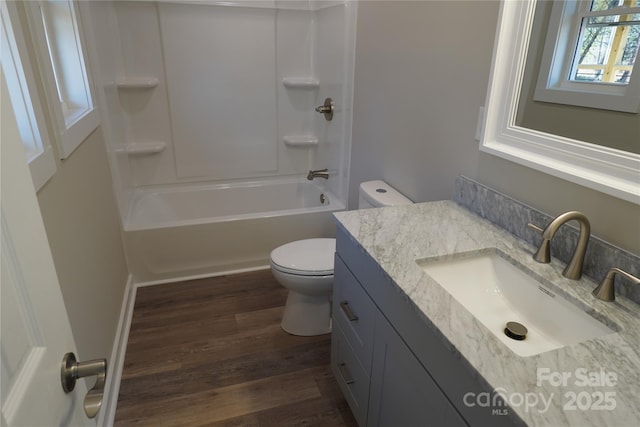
{"points": [[422, 70], [82, 224]]}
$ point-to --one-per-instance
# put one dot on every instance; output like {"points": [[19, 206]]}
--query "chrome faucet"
{"points": [[573, 270], [320, 173], [605, 290]]}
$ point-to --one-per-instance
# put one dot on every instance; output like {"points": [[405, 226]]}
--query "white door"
{"points": [[34, 327]]}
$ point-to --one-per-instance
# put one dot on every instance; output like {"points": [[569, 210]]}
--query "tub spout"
{"points": [[320, 173]]}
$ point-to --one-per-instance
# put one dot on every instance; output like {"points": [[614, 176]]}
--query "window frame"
{"points": [[73, 127], [24, 96], [553, 83]]}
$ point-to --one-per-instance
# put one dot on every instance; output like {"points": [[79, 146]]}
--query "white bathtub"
{"points": [[203, 230]]}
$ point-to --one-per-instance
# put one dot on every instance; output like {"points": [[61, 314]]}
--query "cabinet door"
{"points": [[402, 393]]}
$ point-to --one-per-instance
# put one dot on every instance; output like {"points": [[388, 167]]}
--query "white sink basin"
{"points": [[496, 292]]}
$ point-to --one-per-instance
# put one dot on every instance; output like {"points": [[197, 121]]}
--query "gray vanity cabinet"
{"points": [[382, 380], [353, 322], [393, 369], [401, 392]]}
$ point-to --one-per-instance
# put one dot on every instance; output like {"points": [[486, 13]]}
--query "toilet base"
{"points": [[307, 315]]}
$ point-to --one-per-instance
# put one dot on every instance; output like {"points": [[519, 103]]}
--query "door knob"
{"points": [[71, 370], [326, 109]]}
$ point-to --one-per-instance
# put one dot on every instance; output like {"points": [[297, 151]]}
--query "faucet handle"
{"points": [[605, 290]]}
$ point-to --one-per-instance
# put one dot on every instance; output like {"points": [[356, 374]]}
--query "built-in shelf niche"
{"points": [[300, 83], [137, 83], [300, 141], [143, 148]]}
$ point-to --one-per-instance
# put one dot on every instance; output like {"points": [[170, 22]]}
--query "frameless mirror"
{"points": [[583, 158]]}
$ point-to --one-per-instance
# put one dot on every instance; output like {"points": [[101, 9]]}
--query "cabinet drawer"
{"points": [[351, 377], [354, 312]]}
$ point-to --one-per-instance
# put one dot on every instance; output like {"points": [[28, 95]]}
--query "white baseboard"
{"points": [[201, 276], [116, 362]]}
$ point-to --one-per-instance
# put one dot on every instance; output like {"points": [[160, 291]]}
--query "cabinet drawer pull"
{"points": [[346, 376], [347, 311]]}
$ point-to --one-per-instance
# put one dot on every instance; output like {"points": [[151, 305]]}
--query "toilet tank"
{"points": [[374, 194]]}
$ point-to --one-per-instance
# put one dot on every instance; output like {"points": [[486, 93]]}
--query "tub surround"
{"points": [[513, 216], [175, 118], [179, 125], [396, 237]]}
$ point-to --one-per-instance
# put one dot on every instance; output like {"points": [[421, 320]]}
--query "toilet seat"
{"points": [[310, 257]]}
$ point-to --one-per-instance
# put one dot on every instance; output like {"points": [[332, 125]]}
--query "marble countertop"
{"points": [[395, 237]]}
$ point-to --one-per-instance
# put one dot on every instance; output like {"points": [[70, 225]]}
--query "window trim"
{"points": [[42, 165], [553, 82], [73, 128]]}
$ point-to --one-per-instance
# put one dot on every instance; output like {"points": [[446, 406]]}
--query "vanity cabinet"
{"points": [[353, 323], [401, 392], [383, 381], [392, 368]]}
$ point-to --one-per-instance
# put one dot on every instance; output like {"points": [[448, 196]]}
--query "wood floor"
{"points": [[210, 352]]}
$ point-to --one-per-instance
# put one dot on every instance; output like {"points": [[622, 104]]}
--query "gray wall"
{"points": [[419, 82]]}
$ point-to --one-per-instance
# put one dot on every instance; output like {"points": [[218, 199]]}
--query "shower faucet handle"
{"points": [[326, 109]]}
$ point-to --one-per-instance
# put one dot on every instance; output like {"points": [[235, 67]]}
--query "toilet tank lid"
{"points": [[379, 193], [310, 255]]}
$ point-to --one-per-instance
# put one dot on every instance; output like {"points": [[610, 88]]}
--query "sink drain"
{"points": [[516, 331]]}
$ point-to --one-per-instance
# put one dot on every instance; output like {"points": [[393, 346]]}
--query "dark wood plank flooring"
{"points": [[210, 352]]}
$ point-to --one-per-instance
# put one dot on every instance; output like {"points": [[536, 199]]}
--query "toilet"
{"points": [[305, 267]]}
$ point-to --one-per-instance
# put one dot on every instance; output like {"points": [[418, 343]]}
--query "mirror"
{"points": [[610, 170], [609, 128]]}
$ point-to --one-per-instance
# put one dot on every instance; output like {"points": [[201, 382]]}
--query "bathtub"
{"points": [[203, 230]]}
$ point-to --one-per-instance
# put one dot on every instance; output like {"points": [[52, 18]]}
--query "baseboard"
{"points": [[201, 276], [116, 362]]}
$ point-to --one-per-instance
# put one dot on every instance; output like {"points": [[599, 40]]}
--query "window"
{"points": [[58, 37], [24, 97], [590, 53], [608, 43]]}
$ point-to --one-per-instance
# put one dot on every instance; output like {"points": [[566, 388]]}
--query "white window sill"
{"points": [[614, 101], [42, 168], [78, 131]]}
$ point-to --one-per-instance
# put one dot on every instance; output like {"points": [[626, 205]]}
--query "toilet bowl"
{"points": [[305, 267]]}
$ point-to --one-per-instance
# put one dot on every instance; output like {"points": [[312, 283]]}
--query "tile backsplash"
{"points": [[513, 216]]}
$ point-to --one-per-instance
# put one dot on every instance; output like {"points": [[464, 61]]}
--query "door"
{"points": [[34, 328]]}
